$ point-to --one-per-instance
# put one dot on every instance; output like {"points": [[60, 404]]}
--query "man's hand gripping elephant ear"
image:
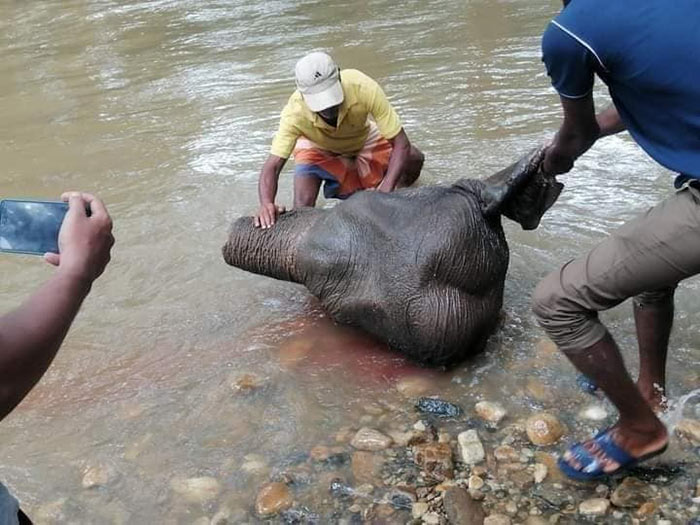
{"points": [[523, 192]]}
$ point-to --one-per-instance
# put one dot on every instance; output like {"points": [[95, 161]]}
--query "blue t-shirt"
{"points": [[648, 53]]}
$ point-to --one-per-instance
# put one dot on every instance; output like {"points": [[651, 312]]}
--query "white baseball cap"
{"points": [[318, 80]]}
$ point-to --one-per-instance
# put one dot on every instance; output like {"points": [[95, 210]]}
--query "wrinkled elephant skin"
{"points": [[421, 269]]}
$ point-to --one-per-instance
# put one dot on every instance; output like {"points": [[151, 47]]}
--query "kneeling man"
{"points": [[326, 126]]}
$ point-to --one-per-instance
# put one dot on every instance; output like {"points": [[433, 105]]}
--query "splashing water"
{"points": [[674, 414]]}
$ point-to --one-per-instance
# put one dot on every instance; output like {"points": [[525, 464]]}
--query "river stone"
{"points": [[631, 493], [539, 472], [419, 508], [475, 482], [245, 383], [543, 429], [97, 475], [538, 390], [593, 413], [470, 447], [435, 459], [370, 440], [646, 509], [461, 508], [689, 429], [414, 386], [366, 467], [594, 507], [196, 490], [431, 518], [438, 407], [506, 453], [490, 411], [272, 499], [497, 519]]}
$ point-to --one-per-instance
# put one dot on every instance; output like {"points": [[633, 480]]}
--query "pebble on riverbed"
{"points": [[371, 440], [544, 429], [272, 499], [489, 411], [97, 475], [470, 447], [196, 490]]}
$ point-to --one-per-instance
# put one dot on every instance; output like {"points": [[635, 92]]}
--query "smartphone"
{"points": [[30, 227]]}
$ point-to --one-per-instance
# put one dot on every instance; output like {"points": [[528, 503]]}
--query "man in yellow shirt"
{"points": [[325, 125]]}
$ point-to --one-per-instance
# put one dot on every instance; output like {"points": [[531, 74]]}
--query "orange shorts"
{"points": [[343, 175]]}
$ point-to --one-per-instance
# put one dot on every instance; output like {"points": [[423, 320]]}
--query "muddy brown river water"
{"points": [[180, 367]]}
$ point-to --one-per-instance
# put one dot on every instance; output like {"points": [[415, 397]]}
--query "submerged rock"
{"points": [[593, 413], [506, 453], [497, 519], [631, 493], [489, 411], [370, 440], [245, 383], [196, 490], [438, 407], [419, 508], [366, 467], [272, 499], [461, 508], [414, 386], [689, 429], [594, 507], [98, 475], [540, 472], [470, 447], [435, 459], [543, 429]]}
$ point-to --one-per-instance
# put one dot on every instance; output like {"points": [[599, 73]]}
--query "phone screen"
{"points": [[30, 226]]}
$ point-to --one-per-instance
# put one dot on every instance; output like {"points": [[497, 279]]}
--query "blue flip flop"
{"points": [[592, 468]]}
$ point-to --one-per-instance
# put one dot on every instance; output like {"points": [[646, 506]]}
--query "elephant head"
{"points": [[422, 269]]}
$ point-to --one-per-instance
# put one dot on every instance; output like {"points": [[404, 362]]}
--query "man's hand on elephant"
{"points": [[267, 215], [556, 163]]}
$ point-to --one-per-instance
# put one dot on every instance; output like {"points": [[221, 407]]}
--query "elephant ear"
{"points": [[521, 192]]}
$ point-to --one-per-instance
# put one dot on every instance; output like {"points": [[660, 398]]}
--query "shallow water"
{"points": [[166, 110]]}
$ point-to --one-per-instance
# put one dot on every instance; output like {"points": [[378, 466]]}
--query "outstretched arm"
{"points": [[401, 147], [31, 335], [267, 191]]}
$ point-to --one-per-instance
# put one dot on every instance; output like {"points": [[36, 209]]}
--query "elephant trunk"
{"points": [[274, 251]]}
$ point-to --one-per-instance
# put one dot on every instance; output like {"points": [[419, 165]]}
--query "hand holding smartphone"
{"points": [[75, 235], [30, 227]]}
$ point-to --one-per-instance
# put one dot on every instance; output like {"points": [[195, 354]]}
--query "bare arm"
{"points": [[576, 135], [609, 122], [267, 191], [31, 335], [401, 147]]}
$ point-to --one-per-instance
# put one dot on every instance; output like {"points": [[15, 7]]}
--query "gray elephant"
{"points": [[422, 269]]}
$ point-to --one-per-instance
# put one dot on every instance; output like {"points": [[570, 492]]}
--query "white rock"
{"points": [[419, 508], [497, 519], [196, 490], [419, 426], [594, 507], [431, 518], [489, 411], [371, 440], [470, 447], [540, 472], [475, 482], [593, 412], [97, 475]]}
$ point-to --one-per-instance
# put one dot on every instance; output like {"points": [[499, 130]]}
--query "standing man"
{"points": [[325, 126], [31, 335], [646, 53]]}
